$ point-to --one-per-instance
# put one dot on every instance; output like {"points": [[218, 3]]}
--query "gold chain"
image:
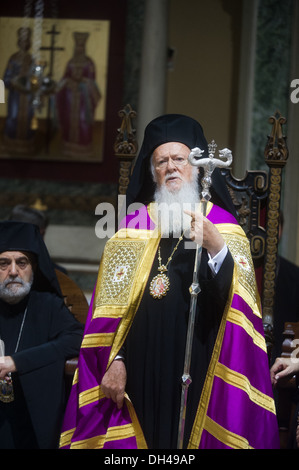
{"points": [[163, 267]]}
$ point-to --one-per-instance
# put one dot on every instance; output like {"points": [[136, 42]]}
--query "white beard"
{"points": [[13, 295], [169, 207]]}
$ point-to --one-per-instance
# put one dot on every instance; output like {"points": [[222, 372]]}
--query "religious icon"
{"points": [[77, 98], [120, 273], [6, 387], [159, 286], [71, 118], [18, 134], [6, 390], [242, 261]]}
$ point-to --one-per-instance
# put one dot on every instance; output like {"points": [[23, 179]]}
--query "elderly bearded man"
{"points": [[128, 387], [37, 333]]}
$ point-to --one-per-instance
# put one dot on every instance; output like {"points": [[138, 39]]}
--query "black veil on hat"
{"points": [[23, 236], [172, 128]]}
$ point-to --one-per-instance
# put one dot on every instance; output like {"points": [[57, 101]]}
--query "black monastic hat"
{"points": [[23, 236], [172, 128]]}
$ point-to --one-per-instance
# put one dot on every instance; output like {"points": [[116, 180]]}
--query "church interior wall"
{"points": [[71, 190], [205, 80], [203, 71], [203, 74]]}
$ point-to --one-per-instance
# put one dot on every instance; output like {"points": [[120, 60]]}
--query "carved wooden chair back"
{"points": [[257, 200], [76, 302]]}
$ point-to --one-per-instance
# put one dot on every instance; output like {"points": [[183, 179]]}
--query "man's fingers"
{"points": [[116, 396], [120, 400], [114, 383], [194, 215], [189, 213]]}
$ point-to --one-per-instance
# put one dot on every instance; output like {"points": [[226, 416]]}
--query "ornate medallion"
{"points": [[160, 283], [6, 391], [159, 286]]}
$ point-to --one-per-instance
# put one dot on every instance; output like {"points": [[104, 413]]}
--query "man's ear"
{"points": [[153, 171]]}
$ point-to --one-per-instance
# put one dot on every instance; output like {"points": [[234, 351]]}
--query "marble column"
{"points": [[152, 88], [246, 89], [290, 238]]}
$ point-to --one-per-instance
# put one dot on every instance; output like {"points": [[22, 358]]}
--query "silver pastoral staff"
{"points": [[208, 164]]}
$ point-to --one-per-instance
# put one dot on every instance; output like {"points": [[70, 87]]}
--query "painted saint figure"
{"points": [[76, 100], [18, 134]]}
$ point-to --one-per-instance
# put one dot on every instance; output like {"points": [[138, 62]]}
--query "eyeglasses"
{"points": [[21, 263], [178, 162]]}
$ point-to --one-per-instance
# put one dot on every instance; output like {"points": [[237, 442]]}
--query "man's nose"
{"points": [[171, 165], [13, 269]]}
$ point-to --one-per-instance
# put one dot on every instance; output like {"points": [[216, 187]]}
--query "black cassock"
{"points": [[50, 335], [155, 346]]}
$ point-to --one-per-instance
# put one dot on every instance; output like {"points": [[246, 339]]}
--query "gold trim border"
{"points": [[226, 437], [241, 382], [238, 318]]}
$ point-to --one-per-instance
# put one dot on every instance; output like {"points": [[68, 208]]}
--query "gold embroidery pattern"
{"points": [[241, 254], [120, 262]]}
